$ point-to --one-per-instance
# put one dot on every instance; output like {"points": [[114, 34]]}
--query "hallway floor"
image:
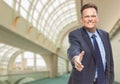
{"points": [[59, 80]]}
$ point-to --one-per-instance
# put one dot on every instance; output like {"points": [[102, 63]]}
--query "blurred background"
{"points": [[34, 38]]}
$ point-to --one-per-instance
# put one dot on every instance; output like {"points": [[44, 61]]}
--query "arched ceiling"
{"points": [[54, 19], [51, 16], [47, 16]]}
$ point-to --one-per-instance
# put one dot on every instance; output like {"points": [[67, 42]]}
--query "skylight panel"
{"points": [[62, 1], [44, 1], [72, 6], [35, 15], [23, 13], [46, 16], [56, 4], [9, 2], [34, 22], [39, 6], [25, 4], [50, 9], [17, 6]]}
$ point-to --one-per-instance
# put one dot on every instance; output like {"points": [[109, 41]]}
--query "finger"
{"points": [[79, 68], [79, 65], [78, 62], [81, 55]]}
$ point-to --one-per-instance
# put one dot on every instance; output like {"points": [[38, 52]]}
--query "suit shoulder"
{"points": [[103, 31], [75, 31]]}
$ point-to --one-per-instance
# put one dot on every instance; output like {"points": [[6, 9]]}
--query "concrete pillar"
{"points": [[53, 66], [52, 62]]}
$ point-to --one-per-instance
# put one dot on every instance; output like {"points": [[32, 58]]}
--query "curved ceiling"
{"points": [[47, 16], [55, 18], [50, 17]]}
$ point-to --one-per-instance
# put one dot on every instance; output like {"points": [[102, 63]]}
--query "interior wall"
{"points": [[115, 42]]}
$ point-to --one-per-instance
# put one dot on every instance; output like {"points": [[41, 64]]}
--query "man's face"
{"points": [[89, 18]]}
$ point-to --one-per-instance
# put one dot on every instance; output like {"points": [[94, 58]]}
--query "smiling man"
{"points": [[90, 51]]}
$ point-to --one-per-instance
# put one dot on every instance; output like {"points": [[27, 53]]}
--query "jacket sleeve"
{"points": [[74, 48]]}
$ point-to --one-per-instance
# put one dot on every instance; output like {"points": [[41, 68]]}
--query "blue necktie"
{"points": [[99, 64]]}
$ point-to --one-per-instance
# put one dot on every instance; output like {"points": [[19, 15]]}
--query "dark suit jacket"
{"points": [[79, 40]]}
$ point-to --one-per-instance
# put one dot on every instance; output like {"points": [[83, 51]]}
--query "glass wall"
{"points": [[14, 61]]}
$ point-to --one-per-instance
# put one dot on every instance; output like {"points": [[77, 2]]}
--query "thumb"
{"points": [[81, 55]]}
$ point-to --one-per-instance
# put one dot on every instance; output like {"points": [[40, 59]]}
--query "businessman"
{"points": [[90, 51]]}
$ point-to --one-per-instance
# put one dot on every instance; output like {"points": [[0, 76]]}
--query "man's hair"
{"points": [[89, 5]]}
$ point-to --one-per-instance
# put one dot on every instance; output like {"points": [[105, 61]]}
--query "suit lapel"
{"points": [[104, 40], [88, 42]]}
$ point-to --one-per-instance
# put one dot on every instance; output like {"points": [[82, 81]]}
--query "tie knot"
{"points": [[93, 36]]}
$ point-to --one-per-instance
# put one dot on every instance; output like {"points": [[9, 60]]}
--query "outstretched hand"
{"points": [[77, 61]]}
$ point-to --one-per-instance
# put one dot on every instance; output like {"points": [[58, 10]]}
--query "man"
{"points": [[90, 51]]}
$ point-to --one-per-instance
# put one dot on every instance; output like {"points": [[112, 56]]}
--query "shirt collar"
{"points": [[90, 33]]}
